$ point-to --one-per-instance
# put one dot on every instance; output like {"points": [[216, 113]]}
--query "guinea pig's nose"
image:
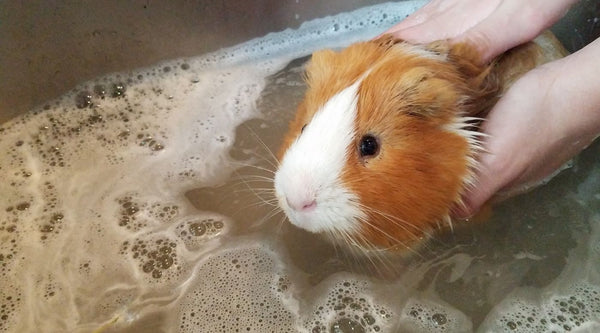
{"points": [[301, 205]]}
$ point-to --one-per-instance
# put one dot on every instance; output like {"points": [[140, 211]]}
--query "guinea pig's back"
{"points": [[516, 62]]}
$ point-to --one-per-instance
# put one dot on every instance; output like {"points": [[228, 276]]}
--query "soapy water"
{"points": [[138, 202]]}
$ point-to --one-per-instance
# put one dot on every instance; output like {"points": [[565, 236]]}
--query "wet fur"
{"points": [[417, 100]]}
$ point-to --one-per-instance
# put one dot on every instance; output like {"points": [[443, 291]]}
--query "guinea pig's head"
{"points": [[382, 146]]}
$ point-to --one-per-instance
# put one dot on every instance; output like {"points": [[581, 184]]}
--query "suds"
{"points": [[109, 218], [255, 304]]}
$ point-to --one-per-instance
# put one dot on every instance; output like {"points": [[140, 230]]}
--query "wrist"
{"points": [[577, 90]]}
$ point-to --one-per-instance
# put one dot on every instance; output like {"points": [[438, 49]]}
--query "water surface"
{"points": [[137, 202]]}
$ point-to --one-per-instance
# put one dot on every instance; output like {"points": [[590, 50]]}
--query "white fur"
{"points": [[311, 169], [459, 127]]}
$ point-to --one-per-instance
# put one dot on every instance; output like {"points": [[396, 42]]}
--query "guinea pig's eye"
{"points": [[368, 146], [303, 127]]}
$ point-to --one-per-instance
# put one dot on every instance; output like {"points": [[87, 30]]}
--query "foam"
{"points": [[426, 315], [94, 181], [346, 303], [570, 303], [97, 230], [257, 294]]}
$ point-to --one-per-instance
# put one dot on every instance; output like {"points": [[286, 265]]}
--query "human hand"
{"points": [[494, 26], [547, 117]]}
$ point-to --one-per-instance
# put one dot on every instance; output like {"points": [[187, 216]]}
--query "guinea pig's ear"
{"points": [[385, 42], [483, 85]]}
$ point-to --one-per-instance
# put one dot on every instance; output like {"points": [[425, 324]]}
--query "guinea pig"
{"points": [[385, 141]]}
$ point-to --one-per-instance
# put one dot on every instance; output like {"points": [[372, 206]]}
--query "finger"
{"points": [[496, 167], [487, 184], [443, 20], [512, 24], [422, 34], [416, 18]]}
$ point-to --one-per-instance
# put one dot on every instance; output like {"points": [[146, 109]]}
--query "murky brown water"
{"points": [[142, 201]]}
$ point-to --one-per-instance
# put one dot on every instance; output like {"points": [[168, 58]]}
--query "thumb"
{"points": [[488, 182], [512, 23]]}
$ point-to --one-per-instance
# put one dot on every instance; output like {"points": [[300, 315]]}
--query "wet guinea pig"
{"points": [[385, 141]]}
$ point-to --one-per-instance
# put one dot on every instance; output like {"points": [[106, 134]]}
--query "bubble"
{"points": [[118, 90], [23, 206], [439, 319], [104, 174], [197, 229], [345, 307], [155, 257], [346, 325], [248, 274], [100, 91], [558, 309], [47, 228], [83, 100], [424, 315], [369, 319]]}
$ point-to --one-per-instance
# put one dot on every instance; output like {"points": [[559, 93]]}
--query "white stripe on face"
{"points": [[311, 169]]}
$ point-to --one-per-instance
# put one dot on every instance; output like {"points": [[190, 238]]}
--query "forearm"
{"points": [[577, 89]]}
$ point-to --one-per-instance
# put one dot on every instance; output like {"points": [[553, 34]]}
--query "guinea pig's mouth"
{"points": [[323, 217], [305, 219]]}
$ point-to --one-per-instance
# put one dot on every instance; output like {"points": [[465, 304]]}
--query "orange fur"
{"points": [[408, 101]]}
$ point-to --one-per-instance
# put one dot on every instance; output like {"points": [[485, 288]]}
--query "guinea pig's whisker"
{"points": [[261, 178], [253, 177], [264, 193], [253, 205], [350, 240], [267, 217], [273, 212], [256, 189], [351, 243], [336, 242], [280, 224], [263, 196], [259, 204], [248, 165], [368, 249], [336, 236], [448, 221], [260, 186], [396, 221], [428, 236], [403, 224], [258, 193], [390, 237], [250, 188], [264, 145], [377, 257]]}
